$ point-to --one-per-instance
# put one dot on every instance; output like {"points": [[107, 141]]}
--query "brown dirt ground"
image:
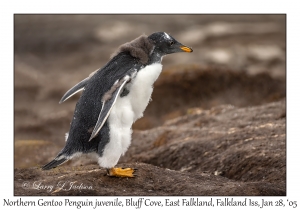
{"points": [[215, 126]]}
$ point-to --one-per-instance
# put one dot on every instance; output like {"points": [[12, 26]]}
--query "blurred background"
{"points": [[237, 59]]}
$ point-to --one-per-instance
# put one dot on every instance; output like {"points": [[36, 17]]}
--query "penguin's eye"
{"points": [[171, 43]]}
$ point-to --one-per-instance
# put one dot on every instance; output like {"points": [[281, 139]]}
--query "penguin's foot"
{"points": [[121, 172]]}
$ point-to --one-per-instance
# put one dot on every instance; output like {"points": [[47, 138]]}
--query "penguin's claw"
{"points": [[121, 172]]}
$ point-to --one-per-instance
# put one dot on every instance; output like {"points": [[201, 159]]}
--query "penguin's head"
{"points": [[166, 44]]}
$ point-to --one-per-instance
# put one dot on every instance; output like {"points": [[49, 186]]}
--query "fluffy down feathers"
{"points": [[139, 48]]}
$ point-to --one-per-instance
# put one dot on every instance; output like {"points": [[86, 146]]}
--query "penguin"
{"points": [[113, 98]]}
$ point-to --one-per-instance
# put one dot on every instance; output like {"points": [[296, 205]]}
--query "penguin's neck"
{"points": [[155, 57]]}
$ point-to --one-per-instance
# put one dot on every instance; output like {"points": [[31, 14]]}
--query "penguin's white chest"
{"points": [[131, 107], [142, 88], [126, 110]]}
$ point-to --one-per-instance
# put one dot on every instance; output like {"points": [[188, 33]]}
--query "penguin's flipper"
{"points": [[109, 100], [75, 89]]}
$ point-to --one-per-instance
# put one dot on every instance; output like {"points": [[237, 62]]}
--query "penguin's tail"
{"points": [[56, 162]]}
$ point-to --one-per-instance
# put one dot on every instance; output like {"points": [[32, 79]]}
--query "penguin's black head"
{"points": [[166, 44]]}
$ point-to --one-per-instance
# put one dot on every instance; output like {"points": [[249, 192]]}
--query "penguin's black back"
{"points": [[89, 105]]}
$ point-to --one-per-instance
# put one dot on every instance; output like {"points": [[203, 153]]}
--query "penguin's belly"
{"points": [[126, 110]]}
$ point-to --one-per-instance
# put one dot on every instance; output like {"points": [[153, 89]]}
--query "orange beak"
{"points": [[186, 49]]}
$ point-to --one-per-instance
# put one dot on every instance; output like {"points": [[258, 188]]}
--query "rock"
{"points": [[244, 144], [150, 181], [224, 151]]}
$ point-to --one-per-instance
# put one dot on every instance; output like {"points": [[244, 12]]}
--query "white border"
{"points": [[8, 8]]}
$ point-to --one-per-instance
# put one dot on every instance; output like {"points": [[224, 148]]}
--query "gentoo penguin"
{"points": [[113, 98]]}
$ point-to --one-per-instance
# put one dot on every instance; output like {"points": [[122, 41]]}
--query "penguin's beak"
{"points": [[186, 49], [178, 47]]}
